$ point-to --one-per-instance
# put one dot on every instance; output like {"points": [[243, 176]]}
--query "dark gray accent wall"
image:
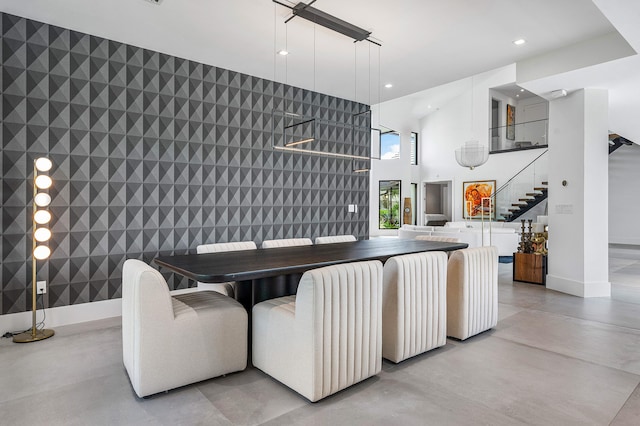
{"points": [[153, 154]]}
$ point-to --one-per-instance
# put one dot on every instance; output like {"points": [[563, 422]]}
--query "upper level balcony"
{"points": [[515, 137]]}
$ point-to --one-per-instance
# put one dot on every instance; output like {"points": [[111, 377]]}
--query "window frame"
{"points": [[399, 208], [390, 132], [413, 147]]}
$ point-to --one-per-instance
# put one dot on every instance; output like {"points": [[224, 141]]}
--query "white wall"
{"points": [[578, 211], [530, 112], [394, 117], [624, 198], [600, 49], [441, 132], [445, 130]]}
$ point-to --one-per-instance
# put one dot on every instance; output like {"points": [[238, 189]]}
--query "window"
{"points": [[389, 209], [414, 199], [414, 149], [389, 146]]}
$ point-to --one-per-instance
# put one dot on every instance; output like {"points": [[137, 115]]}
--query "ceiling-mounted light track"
{"points": [[304, 10]]}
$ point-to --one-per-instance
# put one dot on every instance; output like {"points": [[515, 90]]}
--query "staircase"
{"points": [[535, 173], [616, 141], [516, 197], [529, 201]]}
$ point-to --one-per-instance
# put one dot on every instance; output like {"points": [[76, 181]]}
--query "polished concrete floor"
{"points": [[624, 272], [553, 359]]}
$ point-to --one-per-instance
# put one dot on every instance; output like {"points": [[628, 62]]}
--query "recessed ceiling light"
{"points": [[519, 41], [388, 85], [522, 90], [283, 52], [517, 96]]}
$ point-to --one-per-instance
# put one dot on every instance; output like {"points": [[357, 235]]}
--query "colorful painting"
{"points": [[511, 122], [476, 201]]}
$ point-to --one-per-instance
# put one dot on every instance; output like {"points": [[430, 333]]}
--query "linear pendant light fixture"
{"points": [[329, 154], [295, 132], [299, 141], [305, 11], [329, 21]]}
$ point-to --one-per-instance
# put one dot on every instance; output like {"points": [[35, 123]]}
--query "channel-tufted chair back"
{"points": [[472, 291], [228, 288], [335, 239], [287, 242], [414, 304], [327, 337]]}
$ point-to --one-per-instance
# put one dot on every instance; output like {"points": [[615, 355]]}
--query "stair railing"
{"points": [[520, 186]]}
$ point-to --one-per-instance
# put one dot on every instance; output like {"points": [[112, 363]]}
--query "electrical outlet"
{"points": [[41, 287]]}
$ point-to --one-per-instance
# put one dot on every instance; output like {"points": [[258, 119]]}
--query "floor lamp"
{"points": [[40, 235]]}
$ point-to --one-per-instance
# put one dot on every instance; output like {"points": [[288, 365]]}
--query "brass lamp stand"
{"points": [[40, 251]]}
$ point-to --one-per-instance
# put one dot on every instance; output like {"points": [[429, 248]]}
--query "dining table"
{"points": [[262, 274]]}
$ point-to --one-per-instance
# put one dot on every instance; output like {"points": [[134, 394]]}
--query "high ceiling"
{"points": [[425, 43]]}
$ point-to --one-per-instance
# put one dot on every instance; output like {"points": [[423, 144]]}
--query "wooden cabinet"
{"points": [[530, 268]]}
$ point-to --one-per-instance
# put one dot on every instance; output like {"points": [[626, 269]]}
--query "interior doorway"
{"points": [[496, 106], [438, 198]]}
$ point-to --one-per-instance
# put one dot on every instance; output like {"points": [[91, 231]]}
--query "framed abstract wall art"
{"points": [[476, 201], [511, 122]]}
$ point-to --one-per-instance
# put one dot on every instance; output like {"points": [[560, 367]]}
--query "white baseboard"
{"points": [[579, 288], [66, 315], [624, 241], [63, 315]]}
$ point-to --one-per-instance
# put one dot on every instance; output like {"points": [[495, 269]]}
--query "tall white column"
{"points": [[579, 194]]}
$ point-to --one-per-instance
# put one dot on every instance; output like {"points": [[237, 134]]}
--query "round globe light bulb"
{"points": [[41, 217], [42, 199], [41, 252], [42, 234], [43, 182], [43, 164]]}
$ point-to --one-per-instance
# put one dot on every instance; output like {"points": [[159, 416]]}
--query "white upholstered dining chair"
{"points": [[472, 291], [414, 304], [335, 239], [287, 242], [168, 341], [228, 288], [328, 336]]}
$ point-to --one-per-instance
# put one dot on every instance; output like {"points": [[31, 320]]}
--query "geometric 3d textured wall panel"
{"points": [[153, 154]]}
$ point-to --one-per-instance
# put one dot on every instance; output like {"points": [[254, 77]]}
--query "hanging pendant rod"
{"points": [[299, 124]]}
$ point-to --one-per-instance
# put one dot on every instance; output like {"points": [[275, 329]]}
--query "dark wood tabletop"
{"points": [[263, 263]]}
